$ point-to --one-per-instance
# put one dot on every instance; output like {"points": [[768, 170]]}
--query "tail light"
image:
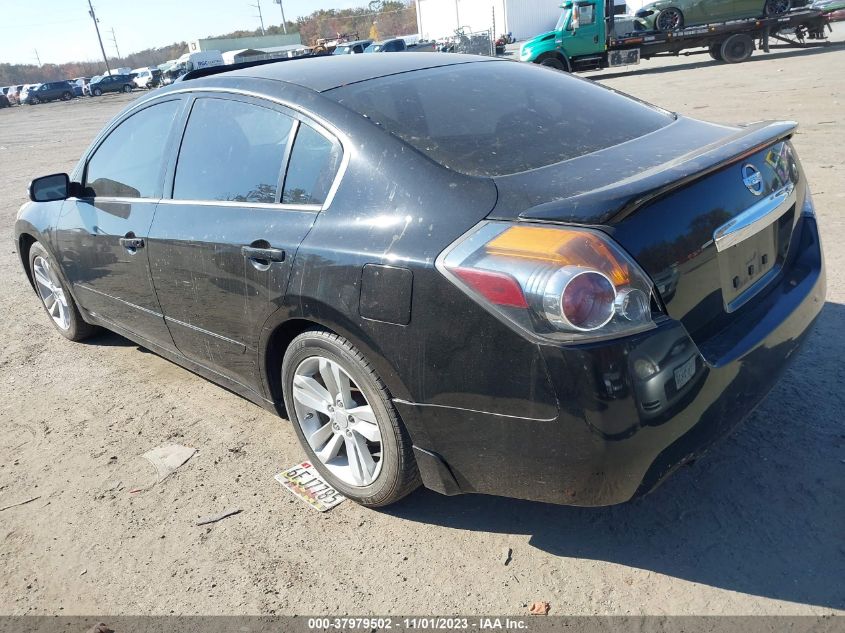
{"points": [[558, 283]]}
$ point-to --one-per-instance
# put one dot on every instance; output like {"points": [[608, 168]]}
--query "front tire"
{"points": [[55, 297], [127, 88], [553, 62], [96, 92], [345, 420], [669, 19], [66, 96], [35, 101]]}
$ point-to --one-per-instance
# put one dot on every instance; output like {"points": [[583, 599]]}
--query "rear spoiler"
{"points": [[616, 201]]}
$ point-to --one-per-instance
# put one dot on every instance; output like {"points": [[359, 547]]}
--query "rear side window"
{"points": [[130, 162], [231, 151], [454, 115], [313, 164]]}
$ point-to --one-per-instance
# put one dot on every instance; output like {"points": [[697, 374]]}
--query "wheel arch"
{"points": [[284, 326], [25, 242], [555, 54]]}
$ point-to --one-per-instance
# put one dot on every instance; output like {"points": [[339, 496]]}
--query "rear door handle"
{"points": [[131, 243], [265, 254]]}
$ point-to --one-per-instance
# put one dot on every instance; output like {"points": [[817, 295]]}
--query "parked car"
{"points": [[79, 84], [4, 101], [396, 45], [23, 94], [352, 48], [14, 94], [110, 83], [333, 239], [670, 15], [50, 91], [146, 78]]}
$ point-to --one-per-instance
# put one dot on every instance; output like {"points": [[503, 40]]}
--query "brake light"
{"points": [[498, 288], [559, 283]]}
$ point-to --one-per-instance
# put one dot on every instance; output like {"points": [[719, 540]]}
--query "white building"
{"points": [[523, 18]]}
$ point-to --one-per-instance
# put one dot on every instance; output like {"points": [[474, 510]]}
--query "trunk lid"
{"points": [[711, 226]]}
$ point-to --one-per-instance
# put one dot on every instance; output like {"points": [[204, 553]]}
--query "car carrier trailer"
{"points": [[586, 37]]}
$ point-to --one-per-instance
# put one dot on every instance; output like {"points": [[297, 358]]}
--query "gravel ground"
{"points": [[755, 527]]}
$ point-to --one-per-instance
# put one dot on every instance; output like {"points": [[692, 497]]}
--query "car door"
{"points": [[589, 31], [221, 247], [102, 233]]}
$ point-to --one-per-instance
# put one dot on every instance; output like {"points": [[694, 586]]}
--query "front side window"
{"points": [[130, 162], [231, 151], [586, 14], [313, 164]]}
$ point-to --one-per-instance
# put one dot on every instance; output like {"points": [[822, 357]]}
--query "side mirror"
{"points": [[50, 188]]}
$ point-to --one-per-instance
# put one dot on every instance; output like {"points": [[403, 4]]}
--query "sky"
{"points": [[62, 31]]}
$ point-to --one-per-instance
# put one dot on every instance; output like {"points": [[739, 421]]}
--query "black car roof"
{"points": [[332, 71]]}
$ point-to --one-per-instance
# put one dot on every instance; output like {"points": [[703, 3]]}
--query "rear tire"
{"points": [[395, 474], [127, 88], [669, 19], [716, 51], [55, 297], [737, 48], [66, 96]]}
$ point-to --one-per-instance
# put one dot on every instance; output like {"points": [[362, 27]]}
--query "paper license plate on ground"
{"points": [[305, 482], [684, 373]]}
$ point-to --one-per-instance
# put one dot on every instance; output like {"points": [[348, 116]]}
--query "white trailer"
{"points": [[522, 18]]}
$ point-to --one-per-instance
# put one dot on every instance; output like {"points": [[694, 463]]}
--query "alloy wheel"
{"points": [[337, 421], [51, 292], [669, 19], [776, 7]]}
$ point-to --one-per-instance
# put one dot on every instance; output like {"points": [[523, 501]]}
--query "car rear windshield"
{"points": [[499, 118]]}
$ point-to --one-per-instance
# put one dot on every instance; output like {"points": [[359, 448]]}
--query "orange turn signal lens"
{"points": [[562, 247]]}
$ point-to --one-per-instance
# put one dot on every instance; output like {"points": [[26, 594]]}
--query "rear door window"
{"points": [[130, 162], [231, 151], [454, 115], [313, 165]]}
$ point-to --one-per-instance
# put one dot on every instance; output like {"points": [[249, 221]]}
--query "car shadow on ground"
{"points": [[761, 514], [759, 56]]}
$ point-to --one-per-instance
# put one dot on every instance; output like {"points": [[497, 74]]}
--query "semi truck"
{"points": [[589, 37]]}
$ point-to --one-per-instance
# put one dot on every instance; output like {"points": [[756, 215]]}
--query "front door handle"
{"points": [[263, 254], [131, 243]]}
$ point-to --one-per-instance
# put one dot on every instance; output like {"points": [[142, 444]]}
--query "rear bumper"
{"points": [[617, 435]]}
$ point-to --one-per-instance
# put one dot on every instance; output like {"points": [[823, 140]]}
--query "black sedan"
{"points": [[438, 285]]}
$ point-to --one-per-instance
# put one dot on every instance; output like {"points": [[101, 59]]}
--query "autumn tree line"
{"points": [[378, 19]]}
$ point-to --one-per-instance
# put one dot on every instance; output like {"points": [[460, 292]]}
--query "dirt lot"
{"points": [[756, 527]]}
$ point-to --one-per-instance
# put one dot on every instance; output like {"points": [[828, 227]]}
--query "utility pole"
{"points": [[284, 22], [37, 57], [257, 5], [100, 39], [114, 41]]}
